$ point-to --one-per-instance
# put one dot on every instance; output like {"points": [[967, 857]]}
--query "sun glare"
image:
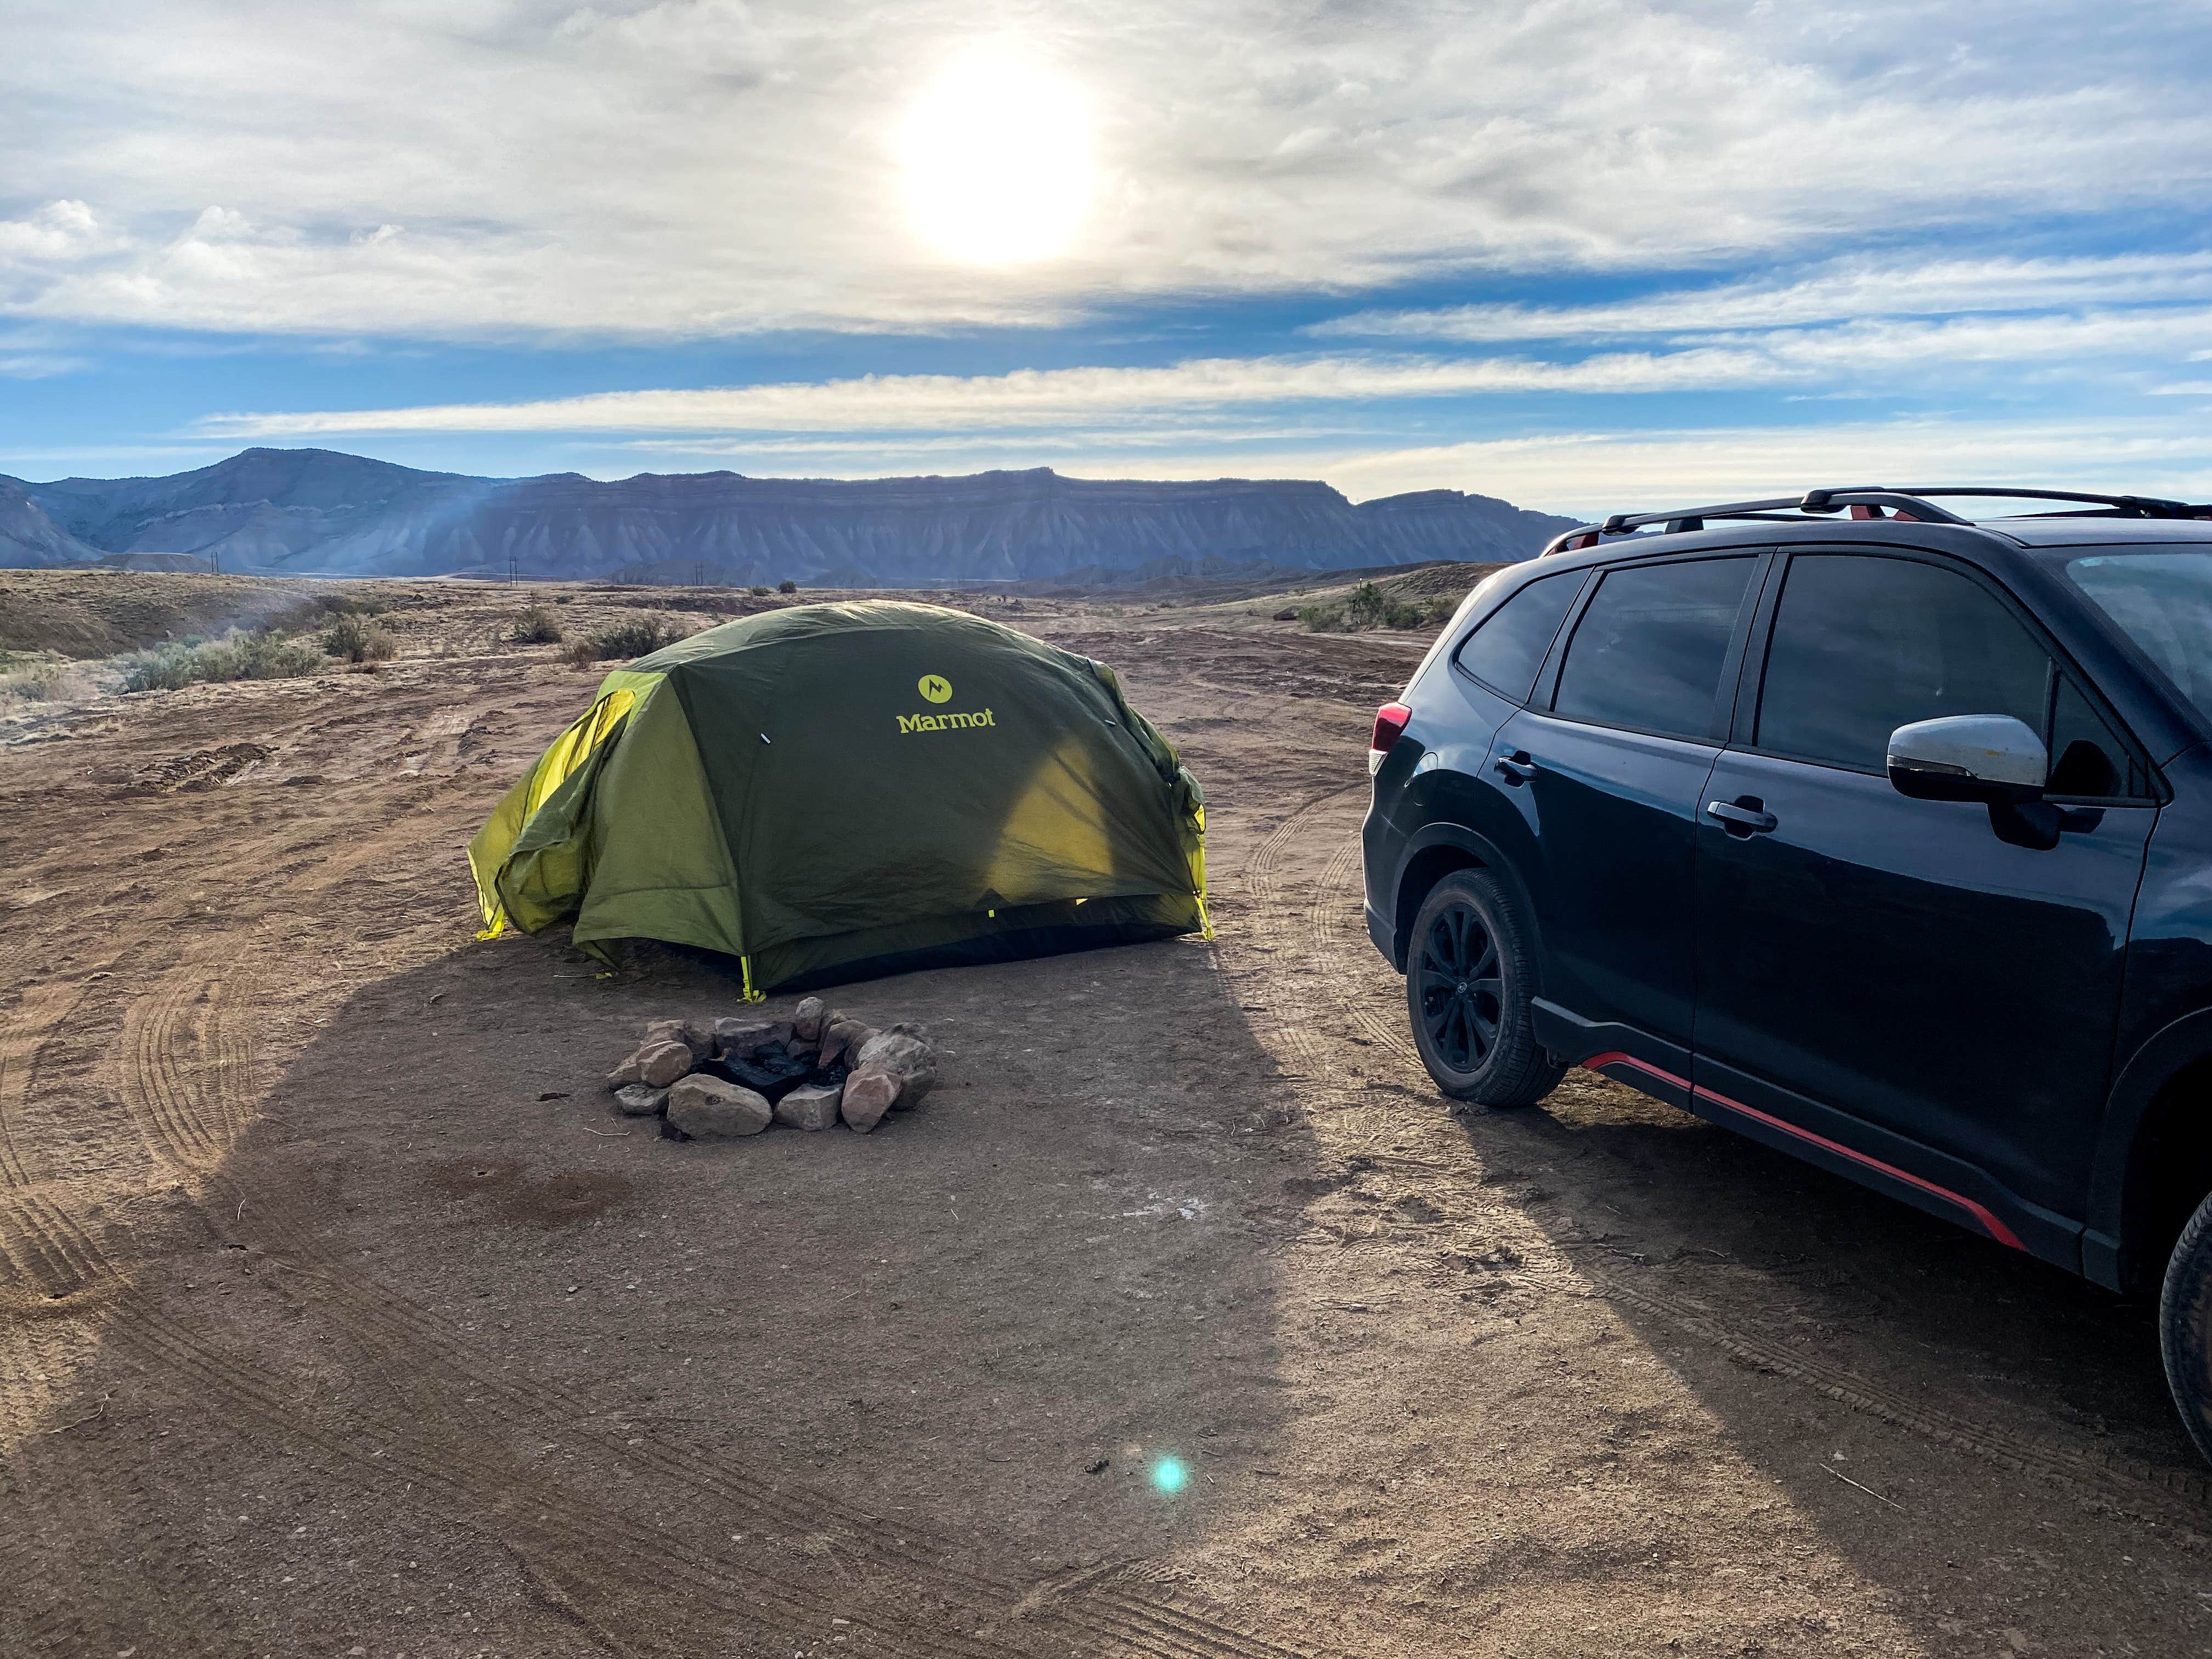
{"points": [[997, 158]]}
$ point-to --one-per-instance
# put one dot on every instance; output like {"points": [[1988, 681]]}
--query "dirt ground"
{"points": [[339, 1316]]}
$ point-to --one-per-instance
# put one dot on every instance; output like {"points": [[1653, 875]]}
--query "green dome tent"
{"points": [[833, 792]]}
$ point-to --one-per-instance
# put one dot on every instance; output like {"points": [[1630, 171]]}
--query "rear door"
{"points": [[1884, 980], [1608, 770]]}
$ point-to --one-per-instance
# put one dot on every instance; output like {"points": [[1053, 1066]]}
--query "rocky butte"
{"points": [[302, 512]]}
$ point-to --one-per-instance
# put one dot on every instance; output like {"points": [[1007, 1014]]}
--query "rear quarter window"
{"points": [[1510, 645]]}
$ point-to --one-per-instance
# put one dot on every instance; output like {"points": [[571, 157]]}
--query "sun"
{"points": [[997, 160]]}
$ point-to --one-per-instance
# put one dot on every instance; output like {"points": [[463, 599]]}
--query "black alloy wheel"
{"points": [[1461, 992], [1470, 976]]}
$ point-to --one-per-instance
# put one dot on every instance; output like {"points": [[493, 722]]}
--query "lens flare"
{"points": [[1169, 1474]]}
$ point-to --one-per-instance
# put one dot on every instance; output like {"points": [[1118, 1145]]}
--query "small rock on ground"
{"points": [[868, 1096], [814, 1106], [696, 1035], [907, 1058], [640, 1100], [659, 1064], [708, 1108], [741, 1039], [842, 1037]]}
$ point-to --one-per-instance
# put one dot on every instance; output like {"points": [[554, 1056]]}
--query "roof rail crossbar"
{"points": [[1784, 509], [2148, 507], [1868, 501]]}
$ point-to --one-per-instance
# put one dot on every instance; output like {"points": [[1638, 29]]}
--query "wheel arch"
{"points": [[2154, 1156], [1429, 855]]}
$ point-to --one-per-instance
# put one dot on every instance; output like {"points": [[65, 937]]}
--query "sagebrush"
{"points": [[1368, 606], [536, 625], [235, 656], [637, 636], [356, 639]]}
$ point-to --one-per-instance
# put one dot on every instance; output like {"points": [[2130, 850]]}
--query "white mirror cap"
{"points": [[1992, 748]]}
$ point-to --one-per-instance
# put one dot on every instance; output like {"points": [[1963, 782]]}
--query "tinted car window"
{"points": [[1862, 646], [2164, 602], [2086, 760], [1507, 650], [1647, 651]]}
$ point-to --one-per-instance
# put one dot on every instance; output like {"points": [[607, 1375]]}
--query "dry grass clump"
{"points": [[27, 678], [536, 625], [638, 636], [354, 638], [581, 654], [235, 656]]}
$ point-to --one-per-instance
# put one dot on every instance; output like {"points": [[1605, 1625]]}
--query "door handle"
{"points": [[1517, 769], [1743, 816]]}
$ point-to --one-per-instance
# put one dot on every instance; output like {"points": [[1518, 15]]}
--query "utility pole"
{"points": [[513, 567], [215, 556], [698, 572]]}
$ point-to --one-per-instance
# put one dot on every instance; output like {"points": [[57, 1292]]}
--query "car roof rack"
{"points": [[1867, 502]]}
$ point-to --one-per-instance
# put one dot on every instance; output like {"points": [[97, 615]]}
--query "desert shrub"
{"points": [[235, 656], [757, 592], [1369, 607], [564, 599], [637, 636], [536, 625], [787, 587], [581, 654], [352, 639], [28, 679]]}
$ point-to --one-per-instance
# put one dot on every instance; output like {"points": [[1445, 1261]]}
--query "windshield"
{"points": [[2164, 602]]}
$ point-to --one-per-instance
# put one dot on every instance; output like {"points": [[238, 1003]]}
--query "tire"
{"points": [[2185, 1327], [1469, 979]]}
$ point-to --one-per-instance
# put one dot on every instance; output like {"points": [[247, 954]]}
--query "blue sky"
{"points": [[1582, 255]]}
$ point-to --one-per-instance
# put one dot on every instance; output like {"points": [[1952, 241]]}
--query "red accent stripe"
{"points": [[1600, 1061], [1989, 1223]]}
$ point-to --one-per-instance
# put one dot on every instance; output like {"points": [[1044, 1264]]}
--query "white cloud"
{"points": [[1888, 354], [1026, 397], [1844, 290], [693, 169], [58, 232], [1599, 472]]}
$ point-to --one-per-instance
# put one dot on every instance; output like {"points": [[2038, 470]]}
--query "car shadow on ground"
{"points": [[1978, 1418], [419, 1338]]}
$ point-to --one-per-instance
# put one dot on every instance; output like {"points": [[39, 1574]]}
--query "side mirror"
{"points": [[1984, 757]]}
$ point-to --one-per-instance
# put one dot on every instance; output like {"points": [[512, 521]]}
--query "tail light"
{"points": [[1389, 725]]}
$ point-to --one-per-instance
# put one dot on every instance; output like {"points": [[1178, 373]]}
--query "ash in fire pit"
{"points": [[719, 1080]]}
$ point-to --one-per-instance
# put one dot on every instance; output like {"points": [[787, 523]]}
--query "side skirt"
{"points": [[1662, 1071]]}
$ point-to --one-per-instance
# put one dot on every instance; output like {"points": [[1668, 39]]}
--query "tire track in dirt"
{"points": [[49, 1255], [180, 1119], [189, 1129], [1334, 938], [187, 1087], [184, 1085], [55, 1330]]}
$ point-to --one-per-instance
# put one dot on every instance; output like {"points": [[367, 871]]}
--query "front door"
{"points": [[1887, 973], [1610, 771]]}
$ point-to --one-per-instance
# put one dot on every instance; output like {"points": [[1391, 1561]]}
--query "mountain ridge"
{"points": [[325, 512]]}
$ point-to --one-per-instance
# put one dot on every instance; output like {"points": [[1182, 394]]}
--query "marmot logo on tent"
{"points": [[944, 722], [935, 687]]}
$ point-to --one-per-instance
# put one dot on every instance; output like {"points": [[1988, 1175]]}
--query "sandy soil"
{"points": [[339, 1315]]}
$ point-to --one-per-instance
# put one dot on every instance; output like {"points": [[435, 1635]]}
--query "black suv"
{"points": [[1885, 838]]}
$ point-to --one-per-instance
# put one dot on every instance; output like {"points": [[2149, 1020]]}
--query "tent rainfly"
{"points": [[836, 792]]}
